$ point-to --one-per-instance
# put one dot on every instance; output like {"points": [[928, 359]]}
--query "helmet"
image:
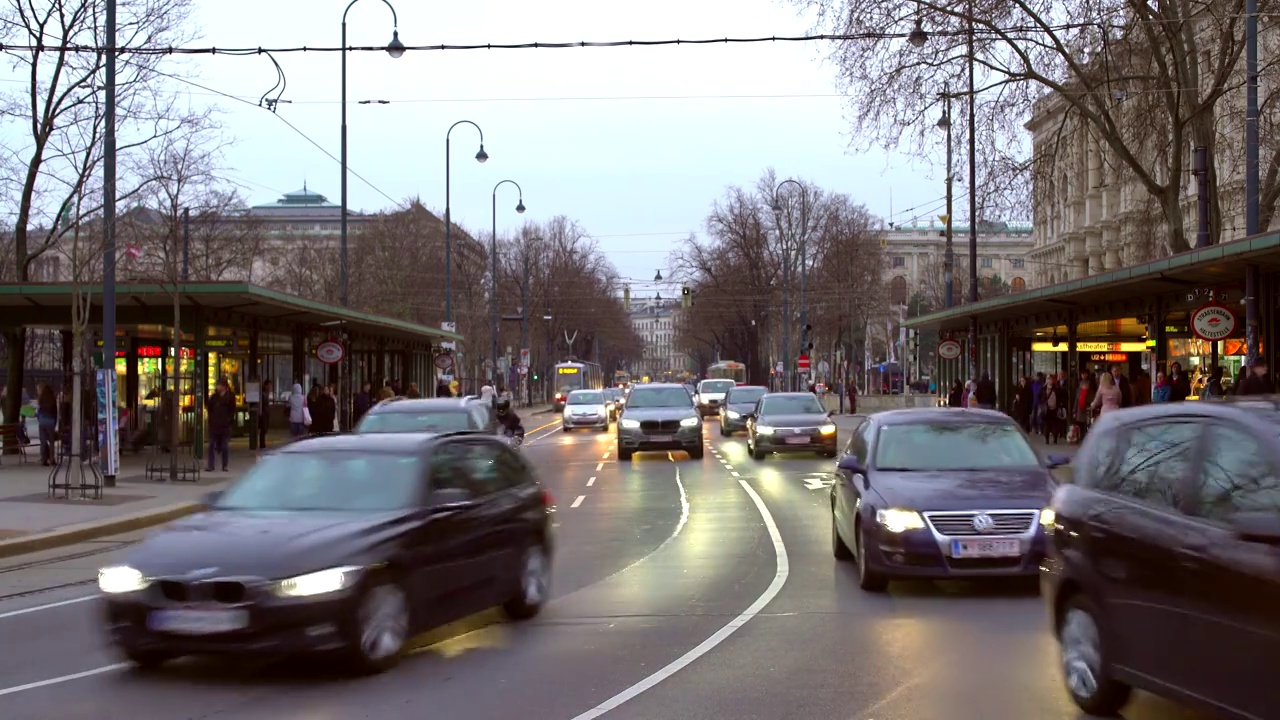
{"points": [[502, 406]]}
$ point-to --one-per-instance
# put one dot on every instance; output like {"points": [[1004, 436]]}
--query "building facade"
{"points": [[654, 320], [915, 256]]}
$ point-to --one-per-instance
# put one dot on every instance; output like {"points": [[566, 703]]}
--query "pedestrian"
{"points": [[852, 388], [1180, 383], [986, 391], [264, 412], [299, 415], [1037, 404], [1213, 388], [364, 401], [324, 411], [47, 420], [1083, 406], [220, 408], [413, 391], [386, 393], [1162, 391], [971, 395], [1109, 396], [955, 398], [1055, 416], [1257, 382], [1142, 388], [1122, 383], [1022, 403]]}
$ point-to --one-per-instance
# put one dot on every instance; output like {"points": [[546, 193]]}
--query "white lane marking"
{"points": [[578, 501], [49, 606], [599, 467], [605, 456], [779, 579], [64, 678], [735, 473], [727, 466], [592, 481]]}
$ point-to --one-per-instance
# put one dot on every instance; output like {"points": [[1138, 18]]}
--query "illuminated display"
{"points": [[1109, 357], [568, 371], [1090, 347], [155, 351]]}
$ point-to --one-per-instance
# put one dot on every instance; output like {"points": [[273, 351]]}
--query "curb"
{"points": [[91, 531]]}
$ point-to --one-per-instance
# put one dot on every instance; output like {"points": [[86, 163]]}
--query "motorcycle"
{"points": [[515, 437]]}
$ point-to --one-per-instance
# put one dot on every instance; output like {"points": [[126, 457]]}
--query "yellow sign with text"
{"points": [[1090, 347]]}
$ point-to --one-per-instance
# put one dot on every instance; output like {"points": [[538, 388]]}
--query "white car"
{"points": [[585, 409], [711, 395]]}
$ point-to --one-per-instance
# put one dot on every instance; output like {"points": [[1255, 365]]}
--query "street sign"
{"points": [[824, 367], [949, 350], [524, 370], [524, 356], [330, 352], [802, 365], [443, 361], [779, 367]]}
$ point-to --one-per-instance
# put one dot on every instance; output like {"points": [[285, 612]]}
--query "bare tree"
{"points": [[1121, 87], [61, 115]]}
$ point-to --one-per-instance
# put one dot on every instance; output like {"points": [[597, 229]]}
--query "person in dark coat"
{"points": [[955, 398], [986, 392], [220, 408], [264, 412], [1257, 382], [1180, 382], [364, 401], [324, 411]]}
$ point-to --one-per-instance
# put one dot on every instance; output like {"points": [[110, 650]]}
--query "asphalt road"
{"points": [[684, 589]]}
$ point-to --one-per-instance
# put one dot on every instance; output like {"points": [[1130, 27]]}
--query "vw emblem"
{"points": [[983, 523]]}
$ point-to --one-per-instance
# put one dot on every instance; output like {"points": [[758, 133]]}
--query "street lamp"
{"points": [[493, 274], [395, 49], [949, 256], [973, 189], [786, 277], [448, 217], [657, 277]]}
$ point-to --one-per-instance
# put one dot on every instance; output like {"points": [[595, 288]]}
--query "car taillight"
{"points": [[547, 500]]}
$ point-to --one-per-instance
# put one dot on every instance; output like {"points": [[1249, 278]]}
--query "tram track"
{"points": [[105, 547]]}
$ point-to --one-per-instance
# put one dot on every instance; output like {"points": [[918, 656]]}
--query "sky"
{"points": [[634, 143]]}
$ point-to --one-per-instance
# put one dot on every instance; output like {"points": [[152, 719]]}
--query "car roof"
{"points": [[751, 387], [585, 390], [790, 394], [379, 442], [917, 416], [1257, 408], [662, 385], [420, 404]]}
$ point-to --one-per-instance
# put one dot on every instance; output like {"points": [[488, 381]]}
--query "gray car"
{"points": [[738, 405], [659, 416]]}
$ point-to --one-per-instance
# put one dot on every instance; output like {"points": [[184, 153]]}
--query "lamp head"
{"points": [[482, 155], [395, 48], [918, 36], [520, 206]]}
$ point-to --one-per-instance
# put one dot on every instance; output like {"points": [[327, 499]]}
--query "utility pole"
{"points": [[109, 245]]}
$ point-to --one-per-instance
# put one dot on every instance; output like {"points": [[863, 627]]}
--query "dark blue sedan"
{"points": [[940, 493]]}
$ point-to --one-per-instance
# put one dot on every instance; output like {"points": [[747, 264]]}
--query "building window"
{"points": [[899, 261], [898, 291], [1017, 263], [986, 262], [1018, 284]]}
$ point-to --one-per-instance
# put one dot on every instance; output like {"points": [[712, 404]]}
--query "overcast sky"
{"points": [[594, 133]]}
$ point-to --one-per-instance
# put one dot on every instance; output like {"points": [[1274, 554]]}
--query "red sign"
{"points": [[1213, 322], [949, 350], [330, 352], [803, 363], [444, 362], [155, 351]]}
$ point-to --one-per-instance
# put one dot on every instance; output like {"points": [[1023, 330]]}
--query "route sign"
{"points": [[444, 361], [330, 352]]}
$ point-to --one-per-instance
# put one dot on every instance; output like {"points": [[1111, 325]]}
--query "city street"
{"points": [[683, 589]]}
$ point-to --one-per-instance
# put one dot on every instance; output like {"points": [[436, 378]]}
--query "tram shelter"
{"points": [[1188, 308], [239, 332]]}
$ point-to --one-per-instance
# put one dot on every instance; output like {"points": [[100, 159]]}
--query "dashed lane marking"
{"points": [[592, 481], [578, 501], [599, 467]]}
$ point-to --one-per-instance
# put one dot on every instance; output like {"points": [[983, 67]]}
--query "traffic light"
{"points": [[686, 297]]}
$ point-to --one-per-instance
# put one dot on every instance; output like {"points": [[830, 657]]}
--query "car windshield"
{"points": [[586, 398], [716, 386], [953, 446], [745, 395], [432, 421], [353, 480], [659, 398], [792, 405]]}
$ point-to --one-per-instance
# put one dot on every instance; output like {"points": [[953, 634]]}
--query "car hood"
{"points": [[743, 408], [711, 396], [1003, 489], [584, 409], [791, 421], [662, 413], [261, 544]]}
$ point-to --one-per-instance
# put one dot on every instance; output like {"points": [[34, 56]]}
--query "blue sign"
{"points": [[108, 423]]}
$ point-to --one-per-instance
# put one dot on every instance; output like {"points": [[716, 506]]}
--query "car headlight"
{"points": [[764, 430], [734, 415], [321, 582], [689, 422], [828, 429], [896, 520], [629, 424], [1048, 517], [121, 579]]}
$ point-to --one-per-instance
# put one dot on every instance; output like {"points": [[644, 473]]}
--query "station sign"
{"points": [[1213, 322], [949, 350], [330, 352], [1090, 347]]}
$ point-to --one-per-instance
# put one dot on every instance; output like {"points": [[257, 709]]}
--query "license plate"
{"points": [[198, 622], [797, 441], [985, 548], [660, 438]]}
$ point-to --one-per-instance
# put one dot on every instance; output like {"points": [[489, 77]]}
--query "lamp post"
{"points": [[949, 255], [493, 275], [448, 217], [918, 38], [786, 277]]}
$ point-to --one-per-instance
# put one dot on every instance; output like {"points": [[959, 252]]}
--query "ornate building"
{"points": [[653, 319], [915, 259]]}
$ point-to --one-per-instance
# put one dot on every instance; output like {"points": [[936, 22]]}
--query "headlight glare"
{"points": [[689, 422], [1048, 518], [629, 424], [897, 520], [321, 582], [764, 430], [828, 429], [734, 415], [121, 579]]}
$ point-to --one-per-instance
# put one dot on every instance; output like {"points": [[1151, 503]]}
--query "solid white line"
{"points": [[50, 606], [592, 481], [599, 467], [63, 678], [779, 579], [578, 501]]}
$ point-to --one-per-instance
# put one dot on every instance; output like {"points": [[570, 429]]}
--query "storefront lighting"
{"points": [[1091, 347]]}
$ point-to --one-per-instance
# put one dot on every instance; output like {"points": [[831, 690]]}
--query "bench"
{"points": [[11, 441]]}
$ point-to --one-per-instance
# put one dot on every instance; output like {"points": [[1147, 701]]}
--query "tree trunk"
{"points": [[1172, 206]]}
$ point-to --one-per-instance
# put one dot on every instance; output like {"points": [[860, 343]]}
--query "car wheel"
{"points": [[868, 579], [564, 428], [838, 547], [531, 585], [830, 453], [381, 626], [1084, 661], [147, 659], [754, 449], [697, 452], [724, 432], [624, 455]]}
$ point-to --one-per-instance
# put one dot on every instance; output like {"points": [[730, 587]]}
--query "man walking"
{"points": [[221, 410]]}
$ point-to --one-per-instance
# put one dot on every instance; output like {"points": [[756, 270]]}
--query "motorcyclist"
{"points": [[508, 420]]}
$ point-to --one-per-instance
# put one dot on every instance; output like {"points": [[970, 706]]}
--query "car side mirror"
{"points": [[1257, 527], [1057, 461], [211, 498], [448, 499], [850, 463]]}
